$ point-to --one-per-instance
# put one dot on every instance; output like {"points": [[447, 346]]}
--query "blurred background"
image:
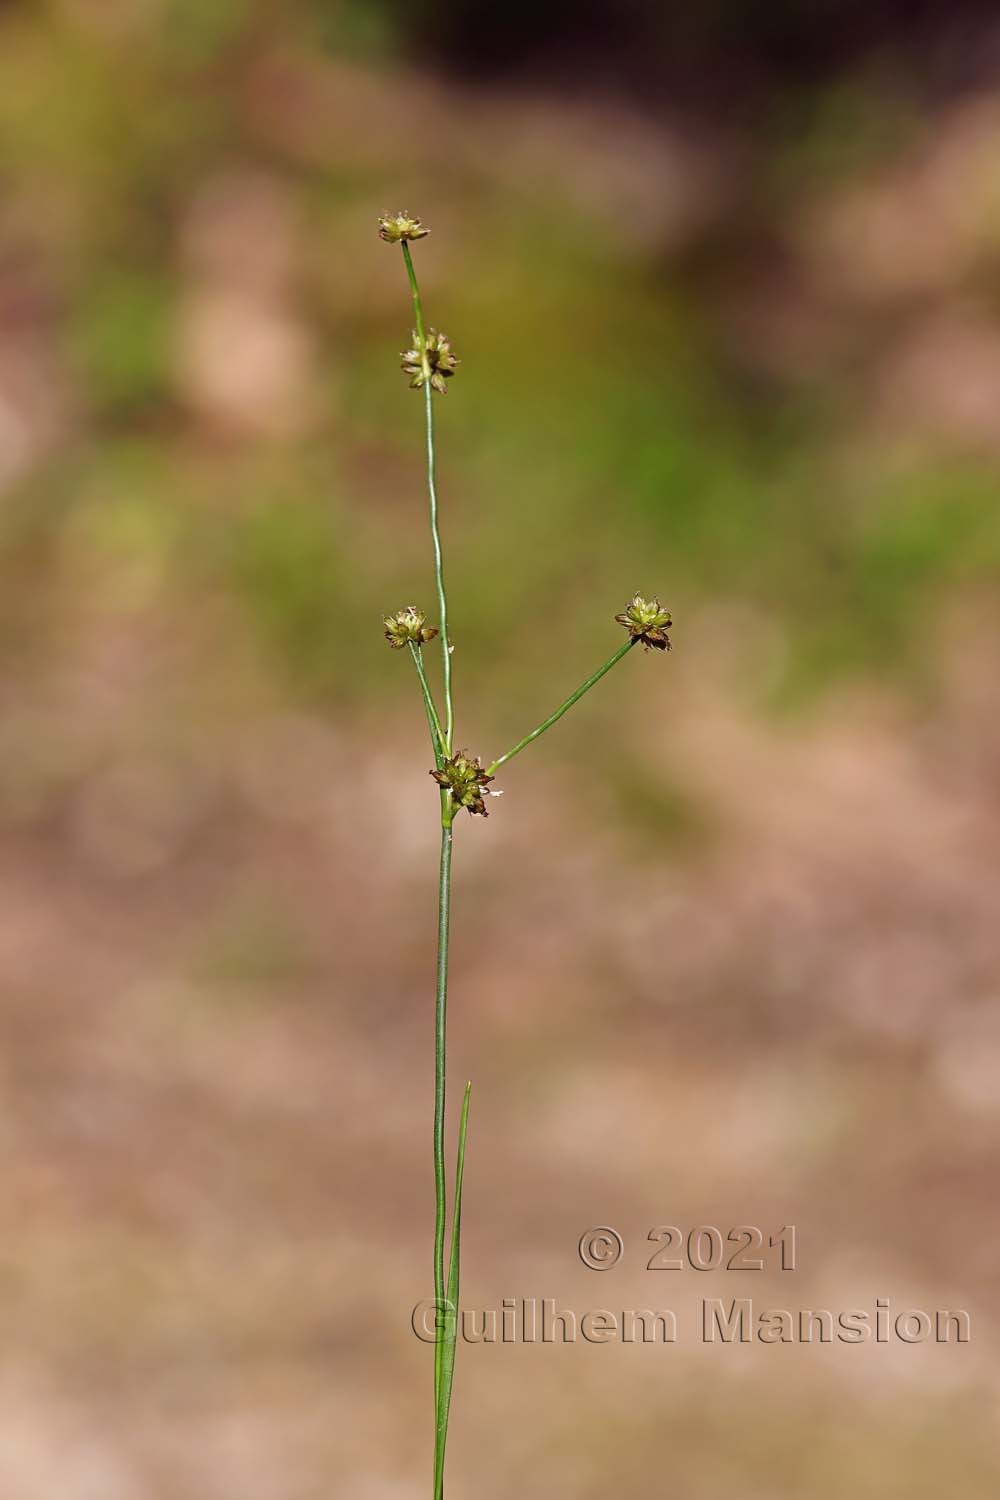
{"points": [[726, 288]]}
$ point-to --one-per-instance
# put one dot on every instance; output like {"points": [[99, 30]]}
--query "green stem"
{"points": [[451, 1315], [433, 722], [553, 718], [442, 739], [440, 1042], [418, 317]]}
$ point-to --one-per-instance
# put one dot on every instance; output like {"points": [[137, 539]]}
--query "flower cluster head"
{"points": [[440, 360], [396, 227], [646, 620], [408, 626], [466, 780]]}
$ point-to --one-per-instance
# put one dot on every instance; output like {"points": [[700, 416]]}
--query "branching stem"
{"points": [[454, 794]]}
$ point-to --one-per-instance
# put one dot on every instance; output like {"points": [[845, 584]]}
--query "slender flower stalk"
{"points": [[433, 722], [463, 782], [563, 708]]}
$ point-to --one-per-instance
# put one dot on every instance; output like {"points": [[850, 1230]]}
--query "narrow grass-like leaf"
{"points": [[451, 1315]]}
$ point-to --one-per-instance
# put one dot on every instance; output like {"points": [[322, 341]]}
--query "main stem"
{"points": [[418, 318], [553, 718], [442, 737], [441, 1019]]}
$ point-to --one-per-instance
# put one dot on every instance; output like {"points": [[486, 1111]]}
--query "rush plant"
{"points": [[463, 781]]}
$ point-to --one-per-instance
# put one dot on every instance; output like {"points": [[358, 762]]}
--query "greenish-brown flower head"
{"points": [[466, 780], [646, 620], [408, 626], [441, 361], [396, 227]]}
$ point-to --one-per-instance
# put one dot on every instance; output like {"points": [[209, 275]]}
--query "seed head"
{"points": [[466, 780], [395, 227], [440, 358], [646, 620], [408, 625]]}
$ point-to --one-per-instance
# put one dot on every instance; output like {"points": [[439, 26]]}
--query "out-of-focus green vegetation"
{"points": [[607, 429]]}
